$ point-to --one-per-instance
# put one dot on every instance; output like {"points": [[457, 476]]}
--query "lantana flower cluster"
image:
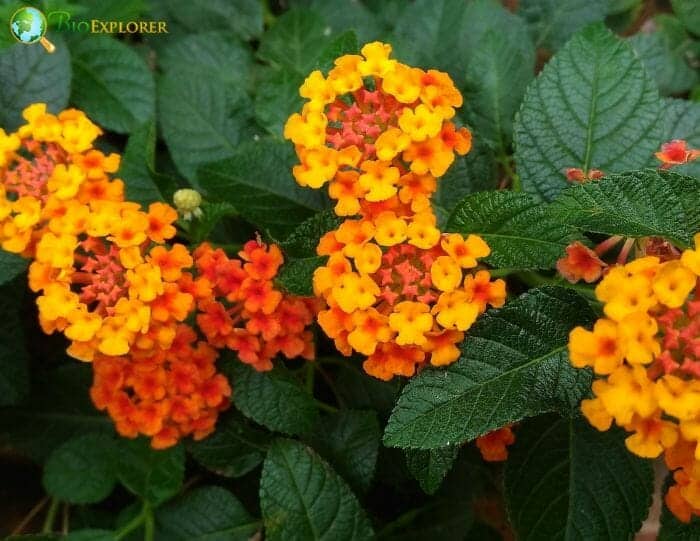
{"points": [[111, 281], [646, 354], [397, 290]]}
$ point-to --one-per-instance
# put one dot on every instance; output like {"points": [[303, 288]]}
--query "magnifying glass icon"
{"points": [[28, 25]]}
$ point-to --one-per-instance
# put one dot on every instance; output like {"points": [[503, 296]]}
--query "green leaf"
{"points": [[682, 119], [688, 11], [14, 357], [664, 53], [273, 399], [201, 121], [341, 16], [215, 56], [301, 497], [288, 44], [522, 233], [112, 84], [82, 470], [234, 449], [635, 204], [475, 172], [349, 440], [258, 182], [206, 514], [91, 535], [137, 167], [362, 392], [302, 241], [276, 98], [243, 17], [212, 214], [514, 364], [154, 475], [430, 467], [296, 275], [554, 21], [440, 518], [30, 75], [345, 43], [57, 409], [593, 107], [11, 266], [497, 75], [566, 480], [673, 529]]}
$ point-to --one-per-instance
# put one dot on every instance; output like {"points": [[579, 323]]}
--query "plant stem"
{"points": [[34, 511], [325, 407], [149, 525], [51, 515], [533, 279], [504, 161], [134, 523], [310, 378]]}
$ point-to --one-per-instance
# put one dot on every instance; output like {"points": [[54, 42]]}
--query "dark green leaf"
{"points": [[636, 204], [273, 399], [233, 449], [57, 409], [349, 440], [11, 266], [345, 43], [302, 241], [554, 21], [66, 474], [440, 518], [566, 480], [682, 119], [154, 475], [522, 233], [14, 357], [341, 16], [593, 107], [30, 75], [301, 497], [514, 364], [137, 167], [258, 182], [90, 535], [362, 392], [296, 275], [429, 467], [276, 98], [469, 174], [206, 514], [664, 53], [291, 41], [215, 56], [112, 84], [201, 120], [499, 70], [688, 11]]}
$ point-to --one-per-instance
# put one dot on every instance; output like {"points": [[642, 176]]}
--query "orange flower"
{"points": [[494, 445], [580, 263], [676, 152]]}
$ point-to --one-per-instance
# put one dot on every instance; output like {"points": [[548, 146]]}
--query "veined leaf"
{"points": [[30, 75], [554, 21], [522, 232], [593, 107], [682, 119], [301, 497], [429, 467], [514, 364], [566, 480], [112, 84], [296, 275], [636, 204]]}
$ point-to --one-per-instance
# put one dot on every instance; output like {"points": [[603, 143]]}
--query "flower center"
{"points": [[101, 277], [680, 331], [30, 172], [404, 274]]}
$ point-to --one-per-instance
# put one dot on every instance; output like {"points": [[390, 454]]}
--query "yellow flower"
{"points": [[601, 348], [318, 166], [345, 76], [595, 412], [83, 325], [625, 294], [390, 143], [355, 291], [27, 212], [411, 320], [57, 250], [465, 252], [673, 283], [379, 179], [445, 273], [370, 328], [145, 282], [114, 337], [65, 181], [308, 130], [368, 258], [678, 398], [627, 391], [390, 229], [420, 124], [58, 301], [137, 315], [638, 335], [318, 90], [376, 59], [455, 311], [691, 258], [403, 83]]}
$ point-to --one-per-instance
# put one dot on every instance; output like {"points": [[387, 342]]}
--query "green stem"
{"points": [[135, 522], [51, 516], [149, 524], [533, 279], [325, 407], [515, 184], [500, 273]]}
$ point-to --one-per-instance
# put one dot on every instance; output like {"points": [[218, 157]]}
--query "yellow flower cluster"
{"points": [[646, 352], [375, 128]]}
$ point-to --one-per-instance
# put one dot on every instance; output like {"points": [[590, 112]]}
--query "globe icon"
{"points": [[28, 25]]}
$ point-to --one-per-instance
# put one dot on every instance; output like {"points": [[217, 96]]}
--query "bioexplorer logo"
{"points": [[28, 25]]}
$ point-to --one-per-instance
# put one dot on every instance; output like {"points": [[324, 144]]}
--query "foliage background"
{"points": [[204, 106]]}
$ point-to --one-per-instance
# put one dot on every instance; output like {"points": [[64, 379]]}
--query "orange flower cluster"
{"points": [[108, 280], [647, 354], [241, 309], [676, 152], [397, 290], [375, 128]]}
